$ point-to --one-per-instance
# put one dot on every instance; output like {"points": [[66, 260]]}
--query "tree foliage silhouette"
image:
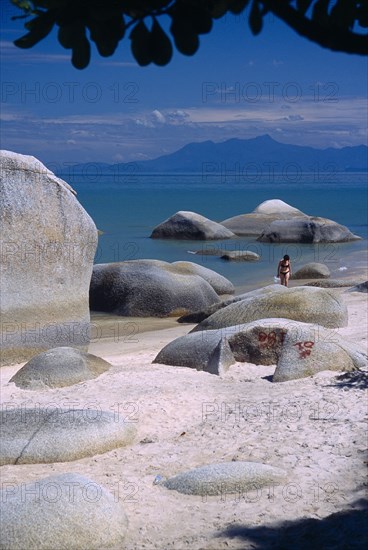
{"points": [[335, 24]]}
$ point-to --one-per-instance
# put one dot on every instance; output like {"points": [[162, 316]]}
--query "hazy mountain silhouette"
{"points": [[261, 154]]}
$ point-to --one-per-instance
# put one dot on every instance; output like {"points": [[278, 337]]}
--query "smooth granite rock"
{"points": [[191, 226], [53, 434], [220, 284], [226, 478], [306, 230], [241, 256], [306, 304], [148, 288], [275, 221], [61, 512], [298, 349], [199, 316], [254, 223], [313, 270], [59, 367], [48, 242]]}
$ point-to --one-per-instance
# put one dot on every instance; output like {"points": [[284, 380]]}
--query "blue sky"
{"points": [[237, 85]]}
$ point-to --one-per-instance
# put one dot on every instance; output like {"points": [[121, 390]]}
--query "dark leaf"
{"points": [[186, 42], [343, 14], [303, 5], [81, 53], [255, 18], [39, 28], [68, 34], [104, 14], [106, 34], [320, 12], [201, 20], [363, 17], [219, 8], [140, 44], [237, 6], [161, 47]]}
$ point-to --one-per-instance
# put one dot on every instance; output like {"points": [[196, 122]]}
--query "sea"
{"points": [[126, 208]]}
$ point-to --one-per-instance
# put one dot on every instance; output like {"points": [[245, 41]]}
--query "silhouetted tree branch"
{"points": [[333, 24]]}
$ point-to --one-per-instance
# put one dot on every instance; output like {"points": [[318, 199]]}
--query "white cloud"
{"points": [[157, 116], [10, 52]]}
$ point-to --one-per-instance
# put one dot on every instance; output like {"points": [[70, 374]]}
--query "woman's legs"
{"points": [[284, 278]]}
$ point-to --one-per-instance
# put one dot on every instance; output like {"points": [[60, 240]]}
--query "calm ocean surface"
{"points": [[127, 208]]}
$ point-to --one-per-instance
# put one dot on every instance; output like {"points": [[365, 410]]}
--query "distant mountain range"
{"points": [[257, 155]]}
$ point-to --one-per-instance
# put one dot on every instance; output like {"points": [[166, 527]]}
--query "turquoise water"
{"points": [[126, 209]]}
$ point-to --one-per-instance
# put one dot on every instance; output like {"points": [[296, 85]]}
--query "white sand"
{"points": [[314, 428]]}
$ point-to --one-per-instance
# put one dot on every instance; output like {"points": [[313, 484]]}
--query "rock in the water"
{"points": [[306, 230], [209, 250], [53, 434], [191, 226], [306, 304], [313, 270], [254, 223], [241, 256], [298, 349], [226, 478], [59, 367], [220, 284], [48, 243], [64, 512], [276, 221], [148, 288], [278, 207]]}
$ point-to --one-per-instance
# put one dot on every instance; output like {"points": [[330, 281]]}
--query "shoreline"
{"points": [[313, 428], [112, 329]]}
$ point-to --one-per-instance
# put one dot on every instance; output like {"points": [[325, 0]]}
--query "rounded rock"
{"points": [[65, 512], [53, 434], [59, 367]]}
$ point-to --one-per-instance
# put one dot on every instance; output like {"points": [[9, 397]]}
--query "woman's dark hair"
{"points": [[286, 257]]}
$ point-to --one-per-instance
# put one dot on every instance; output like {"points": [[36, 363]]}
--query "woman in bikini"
{"points": [[284, 270]]}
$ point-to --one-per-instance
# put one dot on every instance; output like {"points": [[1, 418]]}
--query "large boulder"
{"points": [[254, 223], [64, 512], [306, 230], [276, 221], [313, 270], [220, 284], [148, 288], [235, 477], [48, 243], [207, 351], [53, 434], [298, 349], [191, 226], [200, 315], [59, 367], [277, 207], [306, 304]]}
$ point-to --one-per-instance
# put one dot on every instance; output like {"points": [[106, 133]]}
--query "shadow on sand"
{"points": [[343, 530]]}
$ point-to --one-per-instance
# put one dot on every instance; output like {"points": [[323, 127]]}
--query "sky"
{"points": [[237, 85]]}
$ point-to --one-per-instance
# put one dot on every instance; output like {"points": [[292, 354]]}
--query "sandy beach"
{"points": [[314, 428]]}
